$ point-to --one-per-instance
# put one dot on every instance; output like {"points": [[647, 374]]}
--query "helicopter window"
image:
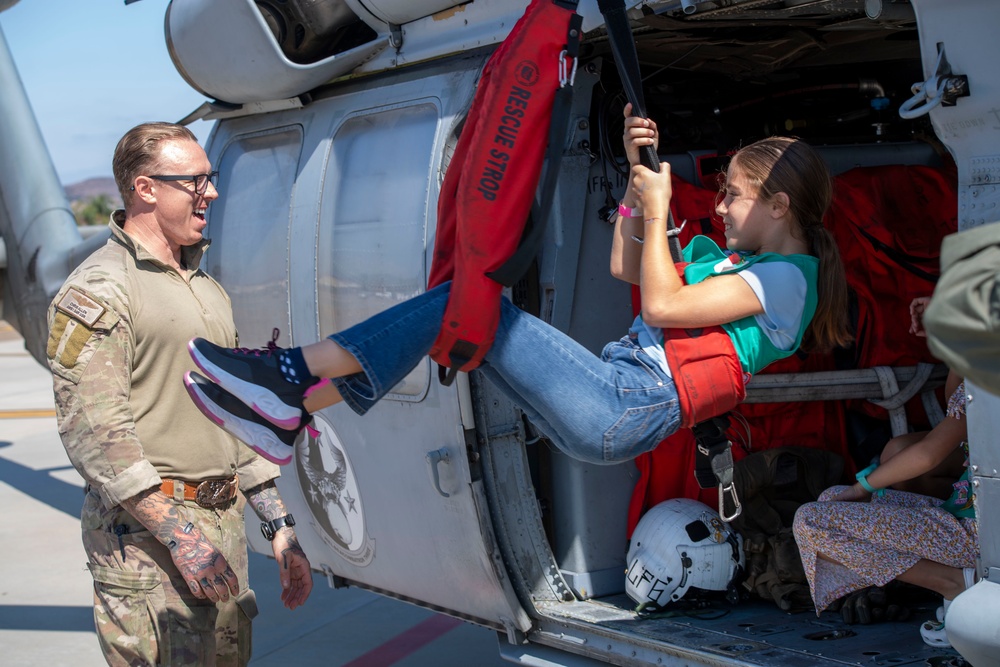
{"points": [[248, 225], [373, 220]]}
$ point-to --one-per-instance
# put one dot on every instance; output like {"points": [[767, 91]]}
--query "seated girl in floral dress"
{"points": [[869, 534]]}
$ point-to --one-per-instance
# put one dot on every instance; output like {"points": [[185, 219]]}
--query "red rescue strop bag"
{"points": [[706, 370], [490, 183]]}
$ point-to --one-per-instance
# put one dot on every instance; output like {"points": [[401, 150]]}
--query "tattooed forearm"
{"points": [[266, 501], [163, 518], [203, 567]]}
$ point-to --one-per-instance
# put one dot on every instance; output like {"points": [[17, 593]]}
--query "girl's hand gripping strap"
{"points": [[627, 62]]}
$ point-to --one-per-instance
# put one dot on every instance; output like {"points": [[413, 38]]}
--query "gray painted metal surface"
{"points": [[965, 37], [262, 72], [309, 201], [39, 230], [974, 616], [748, 634]]}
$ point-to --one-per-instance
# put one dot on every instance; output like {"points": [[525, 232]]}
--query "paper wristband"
{"points": [[627, 212]]}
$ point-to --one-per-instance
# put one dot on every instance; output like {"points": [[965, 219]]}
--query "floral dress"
{"points": [[874, 542]]}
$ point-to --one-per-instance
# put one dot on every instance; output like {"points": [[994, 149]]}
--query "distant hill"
{"points": [[93, 187]]}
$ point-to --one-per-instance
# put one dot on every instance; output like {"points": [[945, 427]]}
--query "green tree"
{"points": [[93, 211]]}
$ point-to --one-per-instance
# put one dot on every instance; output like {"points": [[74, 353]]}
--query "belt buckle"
{"points": [[214, 493]]}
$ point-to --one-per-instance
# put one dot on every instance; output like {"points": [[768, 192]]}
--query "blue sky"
{"points": [[92, 70]]}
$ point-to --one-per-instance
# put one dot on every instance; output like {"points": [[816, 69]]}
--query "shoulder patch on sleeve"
{"points": [[78, 324], [80, 307]]}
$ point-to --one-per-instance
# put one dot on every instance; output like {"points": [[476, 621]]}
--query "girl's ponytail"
{"points": [[829, 327], [789, 165]]}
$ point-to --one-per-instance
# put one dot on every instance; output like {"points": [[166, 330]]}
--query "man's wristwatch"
{"points": [[269, 528]]}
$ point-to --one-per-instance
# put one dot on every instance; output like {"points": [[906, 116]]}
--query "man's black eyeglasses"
{"points": [[200, 180]]}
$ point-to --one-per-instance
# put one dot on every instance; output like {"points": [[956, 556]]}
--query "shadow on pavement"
{"points": [[42, 486], [47, 617]]}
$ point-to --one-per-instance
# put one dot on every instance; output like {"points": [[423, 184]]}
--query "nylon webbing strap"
{"points": [[627, 62], [459, 355], [711, 440], [714, 464]]}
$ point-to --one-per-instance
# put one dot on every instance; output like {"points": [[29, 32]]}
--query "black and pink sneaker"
{"points": [[254, 377], [235, 418]]}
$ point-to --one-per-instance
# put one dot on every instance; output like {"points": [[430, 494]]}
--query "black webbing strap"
{"points": [[714, 464], [627, 61], [534, 232], [460, 354]]}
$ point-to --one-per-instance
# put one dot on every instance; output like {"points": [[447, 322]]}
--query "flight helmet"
{"points": [[678, 545]]}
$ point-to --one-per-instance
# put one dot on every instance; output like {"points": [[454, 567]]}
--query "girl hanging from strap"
{"points": [[779, 282]]}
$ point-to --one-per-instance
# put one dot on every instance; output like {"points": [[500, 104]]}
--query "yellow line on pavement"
{"points": [[26, 414]]}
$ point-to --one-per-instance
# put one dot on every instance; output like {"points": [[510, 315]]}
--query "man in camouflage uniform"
{"points": [[163, 513]]}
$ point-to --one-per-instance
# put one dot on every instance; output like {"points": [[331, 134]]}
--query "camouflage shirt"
{"points": [[963, 318], [118, 330]]}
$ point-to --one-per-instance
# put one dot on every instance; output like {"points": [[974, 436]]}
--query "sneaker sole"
{"points": [[933, 636], [259, 399], [254, 436]]}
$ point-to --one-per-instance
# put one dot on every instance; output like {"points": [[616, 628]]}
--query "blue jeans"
{"points": [[603, 409]]}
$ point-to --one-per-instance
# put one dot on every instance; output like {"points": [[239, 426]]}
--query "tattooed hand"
{"points": [[293, 568], [204, 568]]}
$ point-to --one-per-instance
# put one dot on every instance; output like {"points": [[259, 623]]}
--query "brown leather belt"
{"points": [[210, 493]]}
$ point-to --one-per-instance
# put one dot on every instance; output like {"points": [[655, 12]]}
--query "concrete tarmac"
{"points": [[46, 592]]}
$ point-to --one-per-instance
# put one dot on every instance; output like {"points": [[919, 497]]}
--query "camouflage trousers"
{"points": [[144, 612]]}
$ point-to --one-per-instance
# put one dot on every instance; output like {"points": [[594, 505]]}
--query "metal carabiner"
{"points": [[731, 490], [565, 74], [676, 231]]}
